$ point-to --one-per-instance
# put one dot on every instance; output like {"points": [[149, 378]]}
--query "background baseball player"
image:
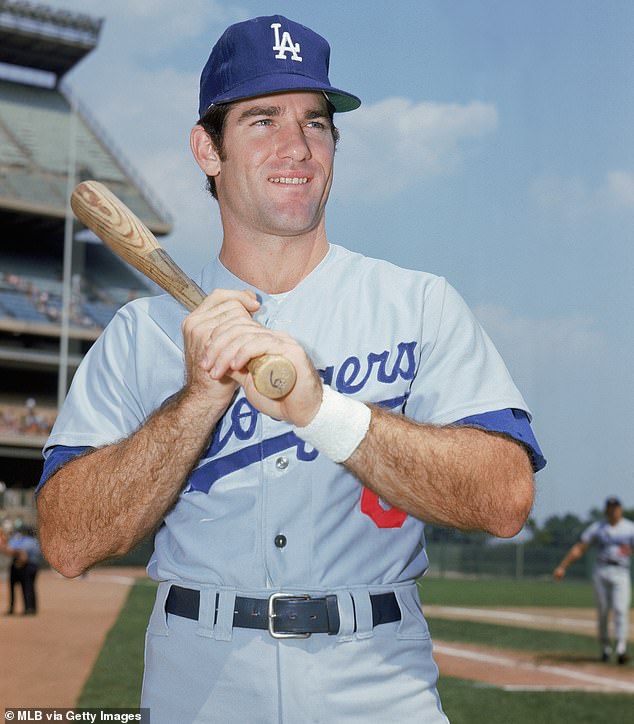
{"points": [[614, 538], [290, 532], [24, 550]]}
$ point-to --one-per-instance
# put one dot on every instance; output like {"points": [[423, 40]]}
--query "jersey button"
{"points": [[280, 541], [281, 463]]}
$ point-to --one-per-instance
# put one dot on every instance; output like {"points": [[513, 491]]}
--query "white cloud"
{"points": [[618, 189], [575, 200], [197, 10], [387, 146], [198, 232], [551, 350], [157, 21], [155, 26]]}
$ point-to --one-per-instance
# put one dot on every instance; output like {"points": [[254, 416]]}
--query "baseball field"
{"points": [[508, 651]]}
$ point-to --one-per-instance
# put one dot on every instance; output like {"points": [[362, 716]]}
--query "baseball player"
{"points": [[614, 538], [290, 532], [24, 550]]}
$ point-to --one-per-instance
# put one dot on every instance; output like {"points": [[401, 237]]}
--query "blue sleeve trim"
{"points": [[512, 422], [59, 455]]}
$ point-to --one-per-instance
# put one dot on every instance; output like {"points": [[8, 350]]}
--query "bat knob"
{"points": [[274, 376]]}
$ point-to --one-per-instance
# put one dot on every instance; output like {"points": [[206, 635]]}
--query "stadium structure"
{"points": [[59, 285]]}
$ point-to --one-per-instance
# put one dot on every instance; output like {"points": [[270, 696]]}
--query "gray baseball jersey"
{"points": [[614, 542], [611, 577], [264, 511]]}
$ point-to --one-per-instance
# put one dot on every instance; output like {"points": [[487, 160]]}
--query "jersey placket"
{"points": [[286, 524]]}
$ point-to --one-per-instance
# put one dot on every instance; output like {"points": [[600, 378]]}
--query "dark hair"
{"points": [[213, 123]]}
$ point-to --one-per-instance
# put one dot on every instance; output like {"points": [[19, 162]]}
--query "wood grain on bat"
{"points": [[130, 239]]}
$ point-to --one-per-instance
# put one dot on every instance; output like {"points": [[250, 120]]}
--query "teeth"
{"points": [[293, 180]]}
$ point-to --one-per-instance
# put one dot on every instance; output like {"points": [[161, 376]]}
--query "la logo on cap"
{"points": [[285, 45]]}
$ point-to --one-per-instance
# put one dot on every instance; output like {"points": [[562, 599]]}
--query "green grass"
{"points": [[565, 646], [466, 702], [505, 592], [115, 680]]}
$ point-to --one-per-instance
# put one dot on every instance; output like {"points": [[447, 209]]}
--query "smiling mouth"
{"points": [[293, 181]]}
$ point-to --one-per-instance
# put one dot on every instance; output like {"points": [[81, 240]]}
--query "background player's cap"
{"points": [[612, 501], [268, 55]]}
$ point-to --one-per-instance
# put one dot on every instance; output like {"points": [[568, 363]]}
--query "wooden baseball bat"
{"points": [[128, 237]]}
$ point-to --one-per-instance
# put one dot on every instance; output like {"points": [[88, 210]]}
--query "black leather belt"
{"points": [[284, 615], [613, 563]]}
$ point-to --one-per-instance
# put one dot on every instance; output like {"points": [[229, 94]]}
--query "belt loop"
{"points": [[413, 624], [346, 617], [363, 614], [158, 620], [207, 612], [223, 630]]}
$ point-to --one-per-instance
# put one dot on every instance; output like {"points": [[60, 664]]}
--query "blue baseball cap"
{"points": [[269, 55], [613, 500]]}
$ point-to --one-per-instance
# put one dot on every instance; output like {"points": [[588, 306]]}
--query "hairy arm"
{"points": [[101, 504], [457, 476], [461, 477]]}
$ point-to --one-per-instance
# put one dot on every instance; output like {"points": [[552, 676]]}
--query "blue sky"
{"points": [[493, 147]]}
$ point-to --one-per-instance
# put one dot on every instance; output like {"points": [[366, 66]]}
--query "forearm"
{"points": [[455, 476], [100, 505], [574, 554]]}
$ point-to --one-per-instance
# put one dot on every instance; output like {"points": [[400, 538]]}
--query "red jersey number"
{"points": [[382, 517]]}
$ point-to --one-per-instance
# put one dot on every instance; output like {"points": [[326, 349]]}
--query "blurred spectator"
{"points": [[26, 558], [26, 420], [50, 304]]}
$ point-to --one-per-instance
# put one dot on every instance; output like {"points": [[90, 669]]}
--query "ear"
{"points": [[204, 151]]}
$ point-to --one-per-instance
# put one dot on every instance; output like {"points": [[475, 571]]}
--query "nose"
{"points": [[291, 143]]}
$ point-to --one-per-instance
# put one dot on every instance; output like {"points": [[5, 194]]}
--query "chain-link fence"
{"points": [[506, 560]]}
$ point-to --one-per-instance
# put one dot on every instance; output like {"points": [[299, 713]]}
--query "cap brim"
{"points": [[285, 82]]}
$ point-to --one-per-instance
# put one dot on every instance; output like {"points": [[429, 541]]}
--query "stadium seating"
{"points": [[101, 313], [18, 305], [34, 141], [40, 117]]}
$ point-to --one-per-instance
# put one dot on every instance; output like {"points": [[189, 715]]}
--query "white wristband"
{"points": [[338, 427]]}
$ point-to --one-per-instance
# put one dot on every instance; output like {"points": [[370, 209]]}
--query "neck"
{"points": [[274, 264]]}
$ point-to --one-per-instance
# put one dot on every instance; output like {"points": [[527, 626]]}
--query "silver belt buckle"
{"points": [[272, 616]]}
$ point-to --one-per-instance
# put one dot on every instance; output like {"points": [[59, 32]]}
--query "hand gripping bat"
{"points": [[128, 237]]}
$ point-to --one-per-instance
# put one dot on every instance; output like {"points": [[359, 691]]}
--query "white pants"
{"points": [[613, 591], [200, 672]]}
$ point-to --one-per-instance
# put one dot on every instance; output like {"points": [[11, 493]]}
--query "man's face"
{"points": [[277, 172], [614, 513]]}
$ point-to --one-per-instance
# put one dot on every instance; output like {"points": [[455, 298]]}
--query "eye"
{"points": [[317, 124], [263, 122]]}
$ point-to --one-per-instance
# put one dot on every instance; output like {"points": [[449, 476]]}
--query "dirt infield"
{"points": [[570, 620], [514, 670], [47, 658], [517, 670]]}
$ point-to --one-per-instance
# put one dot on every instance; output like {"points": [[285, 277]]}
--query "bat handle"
{"points": [[273, 375]]}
